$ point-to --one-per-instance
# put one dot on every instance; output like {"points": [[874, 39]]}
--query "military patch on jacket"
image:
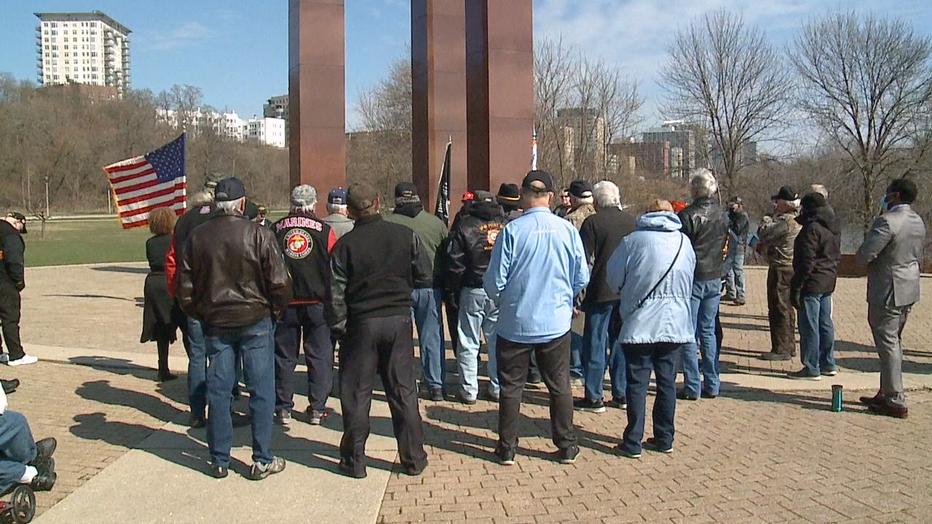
{"points": [[298, 244], [491, 231]]}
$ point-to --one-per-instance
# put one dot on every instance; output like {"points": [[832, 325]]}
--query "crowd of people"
{"points": [[512, 274]]}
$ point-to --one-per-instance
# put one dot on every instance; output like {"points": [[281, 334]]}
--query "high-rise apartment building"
{"points": [[83, 48]]}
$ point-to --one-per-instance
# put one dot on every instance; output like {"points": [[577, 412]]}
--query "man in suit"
{"points": [[892, 254]]}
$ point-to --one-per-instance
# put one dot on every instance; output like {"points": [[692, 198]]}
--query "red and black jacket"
{"points": [[306, 242]]}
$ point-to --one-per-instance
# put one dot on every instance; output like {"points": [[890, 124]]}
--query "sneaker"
{"points": [[283, 417], [9, 386], [315, 417], [260, 471], [889, 410], [26, 359], [654, 445], [196, 422], [506, 456], [535, 382], [726, 298], [349, 471], [740, 301], [461, 398], [436, 395], [4, 358], [776, 356], [577, 382], [708, 394], [45, 448], [683, 395], [592, 406], [491, 395], [625, 453], [218, 472], [620, 403], [568, 455], [830, 372], [803, 374]]}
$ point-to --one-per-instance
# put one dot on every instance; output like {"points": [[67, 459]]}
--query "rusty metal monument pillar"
{"points": [[499, 90], [317, 93], [438, 80]]}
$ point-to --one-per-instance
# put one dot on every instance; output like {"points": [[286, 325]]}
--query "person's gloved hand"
{"points": [[796, 299]]}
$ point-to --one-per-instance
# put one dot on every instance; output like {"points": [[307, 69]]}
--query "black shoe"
{"points": [[683, 395], [9, 386], [239, 420], [413, 471], [260, 471], [533, 381], [653, 445], [45, 448], [888, 410], [620, 403], [592, 406], [237, 393], [350, 471], [436, 394], [803, 374], [506, 456], [625, 453], [46, 478], [196, 422], [568, 455], [165, 376], [463, 400], [740, 301], [708, 394], [831, 372], [776, 356], [218, 472]]}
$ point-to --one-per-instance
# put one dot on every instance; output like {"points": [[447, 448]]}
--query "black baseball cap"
{"points": [[405, 190], [229, 189], [581, 189], [538, 181], [19, 217], [785, 193]]}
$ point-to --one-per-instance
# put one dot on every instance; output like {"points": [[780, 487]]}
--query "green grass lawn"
{"points": [[84, 242], [87, 241]]}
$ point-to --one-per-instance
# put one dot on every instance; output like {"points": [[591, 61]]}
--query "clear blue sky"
{"points": [[236, 51]]}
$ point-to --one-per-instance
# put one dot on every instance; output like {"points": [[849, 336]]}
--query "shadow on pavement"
{"points": [[87, 295], [122, 269]]}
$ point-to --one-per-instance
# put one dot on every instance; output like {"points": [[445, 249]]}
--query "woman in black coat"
{"points": [[159, 310]]}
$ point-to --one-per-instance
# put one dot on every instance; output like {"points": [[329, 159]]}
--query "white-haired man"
{"points": [[601, 233], [777, 234], [236, 304], [306, 243], [704, 224], [338, 218]]}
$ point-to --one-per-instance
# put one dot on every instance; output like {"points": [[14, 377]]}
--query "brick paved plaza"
{"points": [[752, 455]]}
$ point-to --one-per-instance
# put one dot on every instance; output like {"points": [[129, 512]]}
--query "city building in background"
{"points": [[583, 139], [83, 48], [268, 131], [277, 107], [687, 145], [262, 130]]}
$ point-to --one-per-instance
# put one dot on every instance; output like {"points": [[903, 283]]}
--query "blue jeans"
{"points": [[817, 333], [17, 448], [197, 368], [255, 345], [427, 302], [478, 315], [576, 345], [703, 307], [734, 274], [640, 359], [596, 342]]}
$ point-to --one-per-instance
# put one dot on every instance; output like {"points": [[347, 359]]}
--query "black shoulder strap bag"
{"points": [[664, 277]]}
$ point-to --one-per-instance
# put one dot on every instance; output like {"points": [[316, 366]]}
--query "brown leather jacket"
{"points": [[232, 274]]}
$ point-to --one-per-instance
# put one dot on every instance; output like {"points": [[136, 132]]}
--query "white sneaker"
{"points": [[4, 358], [26, 359]]}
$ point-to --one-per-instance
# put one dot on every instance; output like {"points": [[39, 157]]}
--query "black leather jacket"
{"points": [[704, 224], [232, 274], [471, 244]]}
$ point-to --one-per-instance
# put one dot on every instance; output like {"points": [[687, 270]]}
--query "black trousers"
{"points": [[780, 311], [384, 345], [10, 311], [553, 359], [318, 355]]}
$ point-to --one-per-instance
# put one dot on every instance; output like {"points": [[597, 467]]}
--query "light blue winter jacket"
{"points": [[637, 265]]}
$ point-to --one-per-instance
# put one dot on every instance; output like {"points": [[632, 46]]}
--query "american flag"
{"points": [[143, 183]]}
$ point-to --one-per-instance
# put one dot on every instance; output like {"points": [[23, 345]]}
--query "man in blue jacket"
{"points": [[537, 267]]}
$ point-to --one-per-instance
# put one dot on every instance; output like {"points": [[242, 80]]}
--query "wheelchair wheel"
{"points": [[23, 504]]}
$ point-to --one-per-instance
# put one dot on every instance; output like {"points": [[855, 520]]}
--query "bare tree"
{"points": [[867, 83], [724, 75]]}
